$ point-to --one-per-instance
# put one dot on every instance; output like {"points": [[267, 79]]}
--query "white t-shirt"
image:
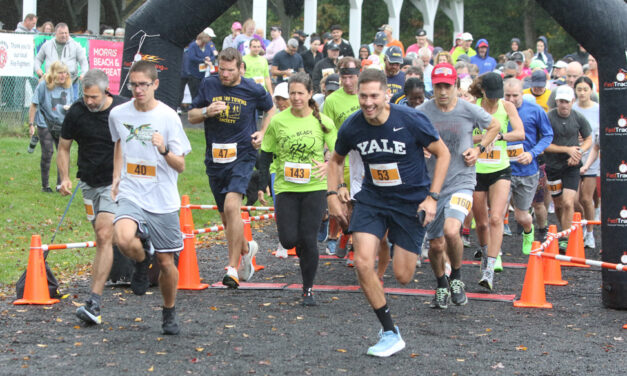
{"points": [[146, 178]]}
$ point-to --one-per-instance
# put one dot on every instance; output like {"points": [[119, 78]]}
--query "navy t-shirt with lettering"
{"points": [[396, 83], [237, 123], [394, 164]]}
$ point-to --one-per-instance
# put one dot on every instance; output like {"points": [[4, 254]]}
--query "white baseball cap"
{"points": [[565, 92], [466, 36], [209, 31], [281, 91]]}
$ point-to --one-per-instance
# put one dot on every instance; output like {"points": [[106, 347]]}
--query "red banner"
{"points": [[107, 56]]}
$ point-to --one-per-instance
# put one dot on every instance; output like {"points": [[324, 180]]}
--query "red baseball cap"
{"points": [[443, 73]]}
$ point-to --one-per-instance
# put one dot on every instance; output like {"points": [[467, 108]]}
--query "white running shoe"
{"points": [[588, 240], [246, 268], [280, 252]]}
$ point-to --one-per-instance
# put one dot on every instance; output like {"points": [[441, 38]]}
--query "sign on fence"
{"points": [[107, 56], [16, 55]]}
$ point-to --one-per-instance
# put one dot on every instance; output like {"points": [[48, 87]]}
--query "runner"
{"points": [[297, 136], [454, 120], [228, 105], [396, 191], [493, 173], [87, 123], [522, 157], [257, 66], [150, 149]]}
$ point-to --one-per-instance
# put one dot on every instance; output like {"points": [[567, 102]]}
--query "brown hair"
{"points": [[231, 54], [449, 59], [304, 79], [144, 67], [475, 87], [373, 75], [346, 60]]}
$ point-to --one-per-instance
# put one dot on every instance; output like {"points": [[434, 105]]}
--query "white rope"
{"points": [[137, 56]]}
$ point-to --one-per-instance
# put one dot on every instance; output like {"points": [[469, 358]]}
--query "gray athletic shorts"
{"points": [[164, 229], [97, 200], [456, 205], [523, 189]]}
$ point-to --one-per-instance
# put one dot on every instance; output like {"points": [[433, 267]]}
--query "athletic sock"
{"points": [[442, 281], [384, 316], [456, 273], [95, 298], [465, 231], [528, 232], [484, 250], [491, 261]]}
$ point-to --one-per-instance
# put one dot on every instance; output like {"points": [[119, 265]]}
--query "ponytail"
{"points": [[316, 114]]}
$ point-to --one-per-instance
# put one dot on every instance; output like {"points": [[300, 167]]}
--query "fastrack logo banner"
{"points": [[620, 129], [620, 83]]}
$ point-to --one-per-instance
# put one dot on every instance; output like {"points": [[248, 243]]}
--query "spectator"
{"points": [[326, 37], [200, 57], [542, 52], [300, 36], [443, 57], [262, 37], [581, 55], [425, 55], [119, 33], [65, 49], [380, 40], [229, 40], [326, 66], [50, 102], [276, 44], [108, 32], [311, 57], [393, 61], [286, 62], [345, 46], [458, 43], [47, 27], [242, 40], [593, 72], [519, 58], [388, 30], [465, 48], [29, 25], [482, 59], [421, 41], [515, 46], [364, 52]]}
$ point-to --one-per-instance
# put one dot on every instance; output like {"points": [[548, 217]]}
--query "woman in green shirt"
{"points": [[493, 172], [296, 139]]}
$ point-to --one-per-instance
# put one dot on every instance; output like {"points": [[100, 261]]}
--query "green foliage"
{"points": [[25, 210]]}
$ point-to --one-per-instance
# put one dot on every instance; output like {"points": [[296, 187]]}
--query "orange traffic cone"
{"points": [[248, 233], [533, 295], [291, 252], [189, 279], [257, 267], [575, 243], [185, 217], [36, 287], [552, 269]]}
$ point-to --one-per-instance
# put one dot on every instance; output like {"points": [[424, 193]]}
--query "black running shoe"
{"points": [[458, 295], [170, 324], [308, 298], [89, 313], [478, 254], [441, 298], [139, 280]]}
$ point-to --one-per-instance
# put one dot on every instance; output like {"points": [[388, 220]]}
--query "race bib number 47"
{"points": [[224, 153], [385, 174]]}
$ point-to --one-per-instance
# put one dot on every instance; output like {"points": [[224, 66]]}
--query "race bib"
{"points": [[555, 186], [493, 157], [327, 71], [202, 67], [224, 153], [299, 173], [461, 202], [385, 174], [259, 80], [515, 151], [141, 169], [89, 209]]}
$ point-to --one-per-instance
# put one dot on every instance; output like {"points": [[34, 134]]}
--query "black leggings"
{"points": [[48, 144], [298, 217]]}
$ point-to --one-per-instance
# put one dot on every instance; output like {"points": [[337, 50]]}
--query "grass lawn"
{"points": [[25, 210]]}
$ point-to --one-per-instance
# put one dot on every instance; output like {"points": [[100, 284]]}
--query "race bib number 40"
{"points": [[299, 173], [461, 202], [493, 157], [141, 169], [224, 153], [385, 174], [514, 151]]}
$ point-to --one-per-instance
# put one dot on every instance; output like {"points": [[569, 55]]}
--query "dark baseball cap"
{"points": [[492, 83], [538, 78], [301, 33], [394, 55], [336, 27], [421, 33], [333, 46], [380, 39], [517, 57], [332, 82]]}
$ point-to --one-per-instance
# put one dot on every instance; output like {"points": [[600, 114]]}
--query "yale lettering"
{"points": [[381, 146]]}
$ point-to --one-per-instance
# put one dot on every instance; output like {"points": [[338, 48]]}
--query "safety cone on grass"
{"points": [[552, 269], [36, 286], [248, 234], [575, 243], [185, 216], [189, 279], [533, 295]]}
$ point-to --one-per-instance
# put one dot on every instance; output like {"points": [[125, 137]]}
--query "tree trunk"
{"points": [[286, 21], [529, 24], [245, 10]]}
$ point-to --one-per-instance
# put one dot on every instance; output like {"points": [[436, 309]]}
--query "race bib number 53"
{"points": [[385, 174]]}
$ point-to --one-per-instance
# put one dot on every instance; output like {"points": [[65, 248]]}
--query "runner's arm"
{"points": [[518, 130], [335, 176], [118, 162], [63, 165], [441, 152]]}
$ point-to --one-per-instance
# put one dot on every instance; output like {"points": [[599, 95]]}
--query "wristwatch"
{"points": [[167, 150], [434, 195], [500, 136], [481, 148], [330, 193], [204, 112]]}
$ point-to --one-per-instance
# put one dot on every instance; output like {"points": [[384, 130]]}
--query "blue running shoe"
{"points": [[389, 344], [323, 232], [331, 247]]}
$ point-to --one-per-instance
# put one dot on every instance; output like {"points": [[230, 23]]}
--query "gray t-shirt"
{"points": [[51, 103], [592, 115], [455, 128], [566, 132]]}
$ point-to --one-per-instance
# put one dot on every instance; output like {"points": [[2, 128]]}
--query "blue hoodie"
{"points": [[486, 64]]}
